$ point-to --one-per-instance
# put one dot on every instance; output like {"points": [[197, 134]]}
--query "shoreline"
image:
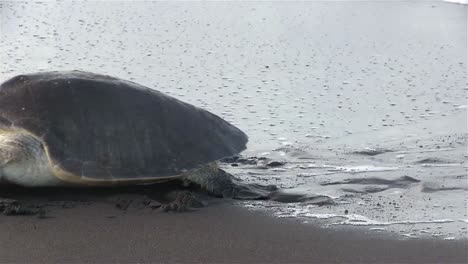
{"points": [[218, 233]]}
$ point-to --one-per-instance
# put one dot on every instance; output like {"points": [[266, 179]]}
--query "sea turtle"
{"points": [[78, 128]]}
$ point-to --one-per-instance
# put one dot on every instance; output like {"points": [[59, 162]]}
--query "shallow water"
{"points": [[364, 101]]}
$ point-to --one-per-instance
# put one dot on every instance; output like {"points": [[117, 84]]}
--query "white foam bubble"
{"points": [[354, 219], [377, 229], [363, 168], [316, 166], [450, 238], [441, 165]]}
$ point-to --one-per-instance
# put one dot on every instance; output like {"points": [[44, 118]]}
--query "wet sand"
{"points": [[321, 67], [218, 233]]}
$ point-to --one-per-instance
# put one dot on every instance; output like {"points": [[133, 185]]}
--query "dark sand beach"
{"points": [[364, 102], [95, 231]]}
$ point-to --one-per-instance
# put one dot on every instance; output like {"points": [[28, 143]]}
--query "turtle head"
{"points": [[23, 160], [13, 151]]}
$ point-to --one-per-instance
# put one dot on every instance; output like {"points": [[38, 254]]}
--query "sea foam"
{"points": [[463, 2]]}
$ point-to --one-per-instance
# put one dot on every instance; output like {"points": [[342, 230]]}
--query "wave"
{"points": [[463, 2]]}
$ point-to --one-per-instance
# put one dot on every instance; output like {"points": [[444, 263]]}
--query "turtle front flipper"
{"points": [[219, 183]]}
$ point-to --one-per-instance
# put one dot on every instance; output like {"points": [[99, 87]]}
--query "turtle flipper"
{"points": [[14, 207], [219, 183], [184, 201], [244, 191]]}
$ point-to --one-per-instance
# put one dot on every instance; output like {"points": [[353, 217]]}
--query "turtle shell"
{"points": [[104, 128]]}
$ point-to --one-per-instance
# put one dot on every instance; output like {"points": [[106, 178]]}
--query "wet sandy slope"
{"points": [[314, 84]]}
